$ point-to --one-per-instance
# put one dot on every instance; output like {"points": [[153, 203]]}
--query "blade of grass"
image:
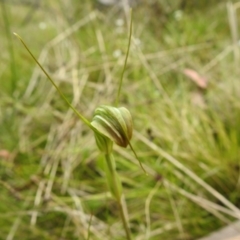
{"points": [[10, 47], [89, 226], [188, 172], [126, 58], [57, 88]]}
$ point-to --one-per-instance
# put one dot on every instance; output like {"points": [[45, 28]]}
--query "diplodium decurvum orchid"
{"points": [[110, 125], [113, 123]]}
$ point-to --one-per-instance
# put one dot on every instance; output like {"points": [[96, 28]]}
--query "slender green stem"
{"points": [[113, 176], [10, 47], [89, 225], [124, 220], [54, 84], [117, 191], [126, 58], [136, 156]]}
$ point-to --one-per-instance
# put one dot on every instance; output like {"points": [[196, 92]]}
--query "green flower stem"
{"points": [[126, 58], [116, 185]]}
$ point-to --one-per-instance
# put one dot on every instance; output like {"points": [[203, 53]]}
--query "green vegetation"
{"points": [[186, 133]]}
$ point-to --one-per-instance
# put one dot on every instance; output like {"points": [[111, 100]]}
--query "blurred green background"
{"points": [[182, 87]]}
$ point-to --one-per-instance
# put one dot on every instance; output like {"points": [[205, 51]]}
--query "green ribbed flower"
{"points": [[109, 124], [113, 123]]}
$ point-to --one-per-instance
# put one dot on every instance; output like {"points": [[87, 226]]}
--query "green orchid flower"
{"points": [[110, 125]]}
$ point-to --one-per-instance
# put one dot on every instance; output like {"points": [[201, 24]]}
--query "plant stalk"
{"points": [[126, 58], [117, 191], [10, 47]]}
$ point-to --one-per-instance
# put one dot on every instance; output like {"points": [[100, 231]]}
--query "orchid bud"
{"points": [[113, 123]]}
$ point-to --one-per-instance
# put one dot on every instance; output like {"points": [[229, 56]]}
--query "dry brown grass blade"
{"points": [[188, 172]]}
